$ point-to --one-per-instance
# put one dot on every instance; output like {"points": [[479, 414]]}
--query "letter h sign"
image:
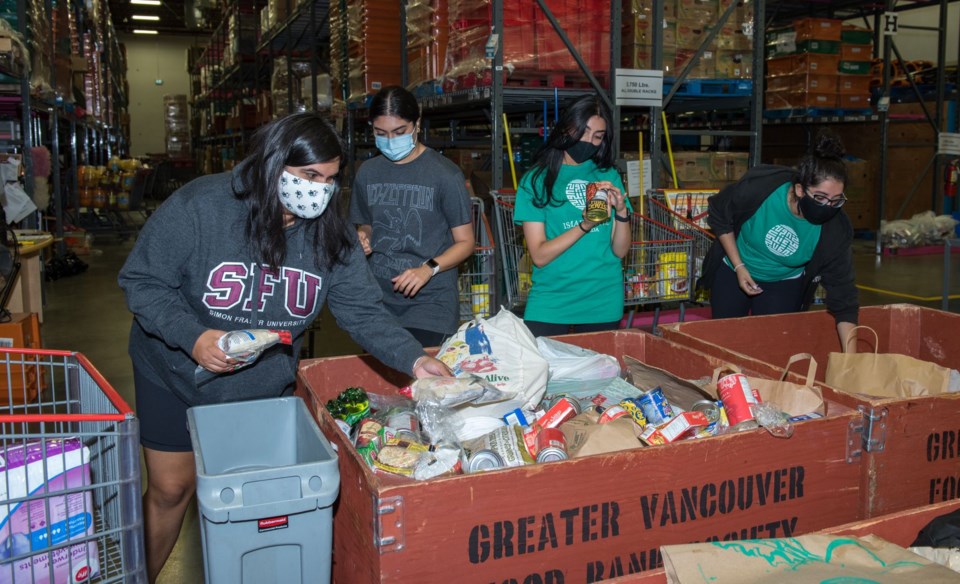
{"points": [[890, 23]]}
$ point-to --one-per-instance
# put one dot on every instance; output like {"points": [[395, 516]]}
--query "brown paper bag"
{"points": [[678, 392], [791, 398], [585, 436], [885, 374], [801, 560]]}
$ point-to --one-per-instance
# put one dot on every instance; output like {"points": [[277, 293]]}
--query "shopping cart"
{"points": [[515, 263], [478, 272], [686, 212], [69, 474]]}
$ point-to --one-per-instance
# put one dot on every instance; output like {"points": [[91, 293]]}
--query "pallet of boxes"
{"points": [[817, 66]]}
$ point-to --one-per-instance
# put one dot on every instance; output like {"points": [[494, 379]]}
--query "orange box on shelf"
{"points": [[853, 84], [856, 52], [853, 101], [819, 29], [814, 82], [18, 382], [803, 63], [798, 100]]}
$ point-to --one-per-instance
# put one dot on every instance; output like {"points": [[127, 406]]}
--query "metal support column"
{"points": [[884, 134], [496, 106]]}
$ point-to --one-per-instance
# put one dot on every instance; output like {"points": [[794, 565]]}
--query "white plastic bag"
{"points": [[502, 350], [568, 361]]}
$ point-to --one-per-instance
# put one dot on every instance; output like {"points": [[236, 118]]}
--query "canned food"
{"points": [[574, 402], [632, 407], [562, 410], [404, 420], [598, 207], [709, 409], [482, 460], [612, 413], [655, 407], [738, 397], [551, 445]]}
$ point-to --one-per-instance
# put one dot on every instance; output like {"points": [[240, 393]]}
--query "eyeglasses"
{"points": [[822, 199]]}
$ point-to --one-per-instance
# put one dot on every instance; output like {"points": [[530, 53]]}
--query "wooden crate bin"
{"points": [[914, 459], [587, 519]]}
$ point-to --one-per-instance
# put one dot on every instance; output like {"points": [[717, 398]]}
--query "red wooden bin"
{"points": [[587, 519], [910, 447]]}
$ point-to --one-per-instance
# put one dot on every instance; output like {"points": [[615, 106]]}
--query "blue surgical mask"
{"points": [[396, 148]]}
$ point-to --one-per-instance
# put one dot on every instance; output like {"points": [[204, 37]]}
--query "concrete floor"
{"points": [[87, 313]]}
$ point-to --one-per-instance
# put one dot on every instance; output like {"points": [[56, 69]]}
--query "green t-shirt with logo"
{"points": [[774, 243], [584, 284]]}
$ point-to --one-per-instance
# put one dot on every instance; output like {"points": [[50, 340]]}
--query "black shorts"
{"points": [[162, 415]]}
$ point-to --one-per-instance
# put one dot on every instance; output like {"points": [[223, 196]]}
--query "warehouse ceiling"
{"points": [[175, 17], [186, 16]]}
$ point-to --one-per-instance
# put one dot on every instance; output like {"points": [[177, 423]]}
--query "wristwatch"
{"points": [[433, 265]]}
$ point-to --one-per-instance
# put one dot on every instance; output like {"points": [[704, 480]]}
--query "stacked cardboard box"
{"points": [[856, 53], [241, 37], [686, 23], [176, 125], [373, 48], [803, 70], [707, 170], [533, 52], [428, 30]]}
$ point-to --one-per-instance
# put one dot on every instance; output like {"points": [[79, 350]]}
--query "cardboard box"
{"points": [[586, 519], [19, 383], [821, 29], [804, 63], [799, 100], [855, 101], [856, 52], [734, 64], [911, 458], [812, 82], [853, 85]]}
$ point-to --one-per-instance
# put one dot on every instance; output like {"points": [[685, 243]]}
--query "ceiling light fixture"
{"points": [[143, 31], [146, 2], [145, 17]]}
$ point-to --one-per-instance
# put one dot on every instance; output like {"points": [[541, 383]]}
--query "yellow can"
{"points": [[481, 299], [672, 275]]}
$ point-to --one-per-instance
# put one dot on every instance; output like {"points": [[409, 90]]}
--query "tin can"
{"points": [[551, 445], [709, 409], [562, 410], [612, 413], [404, 420], [655, 407], [574, 402], [632, 407], [738, 397], [344, 427], [598, 207], [482, 460]]}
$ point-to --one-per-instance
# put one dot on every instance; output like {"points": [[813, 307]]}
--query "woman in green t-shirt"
{"points": [[578, 270]]}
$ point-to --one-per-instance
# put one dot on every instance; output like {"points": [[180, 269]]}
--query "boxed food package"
{"points": [[46, 521]]}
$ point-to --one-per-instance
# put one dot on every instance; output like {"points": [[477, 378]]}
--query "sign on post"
{"points": [[638, 88], [949, 144]]}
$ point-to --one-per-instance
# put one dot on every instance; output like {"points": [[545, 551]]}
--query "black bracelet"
{"points": [[621, 219], [580, 225]]}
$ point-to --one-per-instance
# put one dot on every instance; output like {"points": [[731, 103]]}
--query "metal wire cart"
{"points": [[515, 263], [69, 473], [477, 283]]}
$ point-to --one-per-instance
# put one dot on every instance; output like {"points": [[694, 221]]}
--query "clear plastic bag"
{"points": [[773, 420]]}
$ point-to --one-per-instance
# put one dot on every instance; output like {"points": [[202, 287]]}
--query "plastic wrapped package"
{"points": [[921, 229], [16, 60], [280, 87], [176, 123], [41, 58]]}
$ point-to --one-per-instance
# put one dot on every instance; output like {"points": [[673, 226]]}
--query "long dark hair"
{"points": [[394, 100], [296, 140], [568, 131], [824, 162]]}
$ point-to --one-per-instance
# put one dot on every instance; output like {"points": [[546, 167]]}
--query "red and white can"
{"points": [[738, 398], [551, 445]]}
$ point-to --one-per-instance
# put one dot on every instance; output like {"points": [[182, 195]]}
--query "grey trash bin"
{"points": [[266, 482]]}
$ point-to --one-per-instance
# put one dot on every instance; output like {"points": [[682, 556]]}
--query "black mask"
{"points": [[582, 151], [814, 212]]}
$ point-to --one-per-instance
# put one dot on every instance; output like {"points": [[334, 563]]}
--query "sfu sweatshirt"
{"points": [[192, 269]]}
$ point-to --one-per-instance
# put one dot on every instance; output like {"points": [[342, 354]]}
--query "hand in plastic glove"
{"points": [[208, 354], [429, 367]]}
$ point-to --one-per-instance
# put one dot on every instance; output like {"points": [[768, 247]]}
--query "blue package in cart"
{"points": [[44, 521]]}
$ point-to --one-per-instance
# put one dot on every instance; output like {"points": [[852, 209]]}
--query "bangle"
{"points": [[622, 219], [580, 225], [738, 266]]}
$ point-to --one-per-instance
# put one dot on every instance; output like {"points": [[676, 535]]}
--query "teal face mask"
{"points": [[396, 148]]}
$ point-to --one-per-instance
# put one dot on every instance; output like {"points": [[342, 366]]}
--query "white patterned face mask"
{"points": [[304, 198]]}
